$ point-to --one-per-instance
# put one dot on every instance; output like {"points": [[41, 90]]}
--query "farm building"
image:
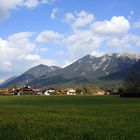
{"points": [[26, 90], [37, 91], [68, 91], [49, 91], [13, 91], [97, 92], [71, 92]]}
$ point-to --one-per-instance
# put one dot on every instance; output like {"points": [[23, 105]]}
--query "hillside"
{"points": [[109, 67]]}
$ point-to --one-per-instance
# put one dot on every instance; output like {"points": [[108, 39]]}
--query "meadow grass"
{"points": [[69, 118]]}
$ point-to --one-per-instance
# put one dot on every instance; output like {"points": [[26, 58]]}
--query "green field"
{"points": [[69, 118]]}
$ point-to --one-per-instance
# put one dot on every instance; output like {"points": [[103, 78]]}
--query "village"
{"points": [[27, 90]]}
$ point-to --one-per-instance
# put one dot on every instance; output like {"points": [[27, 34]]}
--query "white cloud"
{"points": [[7, 5], [7, 65], [18, 54], [31, 57], [48, 62], [136, 25], [12, 48], [116, 26], [126, 40], [54, 12], [34, 3], [47, 36], [82, 42], [132, 12], [128, 43], [43, 49], [99, 35], [67, 63], [69, 17], [31, 3], [61, 52], [80, 19], [97, 53], [89, 34], [22, 42]]}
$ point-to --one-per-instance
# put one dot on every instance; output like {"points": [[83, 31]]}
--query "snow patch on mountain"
{"points": [[105, 67]]}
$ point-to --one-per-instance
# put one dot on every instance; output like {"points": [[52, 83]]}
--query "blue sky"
{"points": [[58, 32], [28, 19]]}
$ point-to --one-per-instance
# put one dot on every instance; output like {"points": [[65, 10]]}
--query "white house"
{"points": [[46, 93], [71, 92], [49, 91]]}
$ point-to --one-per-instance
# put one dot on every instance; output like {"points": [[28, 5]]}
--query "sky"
{"points": [[58, 32]]}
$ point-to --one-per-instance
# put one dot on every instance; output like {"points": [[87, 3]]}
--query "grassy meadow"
{"points": [[69, 118]]}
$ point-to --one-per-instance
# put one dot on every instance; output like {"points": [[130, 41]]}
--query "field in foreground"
{"points": [[69, 118]]}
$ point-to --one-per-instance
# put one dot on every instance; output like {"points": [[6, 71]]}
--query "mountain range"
{"points": [[89, 69]]}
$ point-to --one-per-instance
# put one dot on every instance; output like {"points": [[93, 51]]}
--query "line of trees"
{"points": [[132, 83]]}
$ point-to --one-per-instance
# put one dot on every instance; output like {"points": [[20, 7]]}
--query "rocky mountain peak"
{"points": [[88, 67]]}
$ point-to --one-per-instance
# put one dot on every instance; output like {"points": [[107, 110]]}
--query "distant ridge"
{"points": [[110, 66]]}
